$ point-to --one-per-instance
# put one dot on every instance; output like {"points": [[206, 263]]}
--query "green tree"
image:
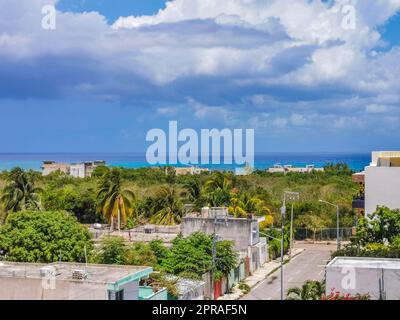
{"points": [[20, 192], [44, 236], [383, 226], [80, 202], [170, 173], [112, 251], [192, 256], [159, 249], [114, 201], [141, 254], [218, 189], [194, 192], [168, 209], [311, 290]]}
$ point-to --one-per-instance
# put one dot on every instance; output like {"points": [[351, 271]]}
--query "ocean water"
{"points": [[356, 161]]}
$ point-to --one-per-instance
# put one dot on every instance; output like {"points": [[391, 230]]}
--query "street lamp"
{"points": [[337, 221], [292, 196], [283, 214]]}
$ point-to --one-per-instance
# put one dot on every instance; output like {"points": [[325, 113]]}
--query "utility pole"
{"points": [[283, 214]]}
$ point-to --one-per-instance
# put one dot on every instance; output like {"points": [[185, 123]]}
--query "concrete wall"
{"points": [[131, 290], [33, 289], [237, 230], [382, 188], [366, 281]]}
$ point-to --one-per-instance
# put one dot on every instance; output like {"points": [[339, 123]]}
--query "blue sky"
{"points": [[112, 70], [113, 9]]}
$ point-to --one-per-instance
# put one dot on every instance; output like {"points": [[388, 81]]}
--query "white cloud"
{"points": [[377, 108]]}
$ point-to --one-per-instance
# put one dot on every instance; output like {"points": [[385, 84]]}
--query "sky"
{"points": [[306, 75]]}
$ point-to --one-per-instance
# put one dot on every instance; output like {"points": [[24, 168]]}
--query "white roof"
{"points": [[365, 262]]}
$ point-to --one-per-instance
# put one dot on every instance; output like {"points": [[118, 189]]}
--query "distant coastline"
{"points": [[356, 161]]}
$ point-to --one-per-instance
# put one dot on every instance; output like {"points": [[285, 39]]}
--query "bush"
{"points": [[44, 237], [112, 251], [244, 287]]}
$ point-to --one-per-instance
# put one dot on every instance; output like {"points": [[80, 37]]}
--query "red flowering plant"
{"points": [[336, 295]]}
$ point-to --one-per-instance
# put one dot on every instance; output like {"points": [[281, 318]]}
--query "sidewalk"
{"points": [[260, 275]]}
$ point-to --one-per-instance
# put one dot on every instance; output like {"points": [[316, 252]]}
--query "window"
{"points": [[118, 295]]}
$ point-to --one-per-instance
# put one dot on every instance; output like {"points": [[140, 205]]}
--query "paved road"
{"points": [[309, 265]]}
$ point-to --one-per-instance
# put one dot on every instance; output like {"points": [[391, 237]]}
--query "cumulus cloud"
{"points": [[268, 63]]}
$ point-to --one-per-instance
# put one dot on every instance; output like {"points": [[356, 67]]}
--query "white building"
{"points": [[377, 277], [77, 170], [381, 182], [244, 232]]}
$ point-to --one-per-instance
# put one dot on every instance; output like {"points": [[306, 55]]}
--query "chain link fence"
{"points": [[322, 234]]}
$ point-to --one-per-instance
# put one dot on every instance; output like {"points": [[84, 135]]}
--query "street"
{"points": [[309, 265]]}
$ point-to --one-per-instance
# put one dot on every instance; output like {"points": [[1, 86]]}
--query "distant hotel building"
{"points": [[379, 183], [181, 171], [278, 168], [76, 170]]}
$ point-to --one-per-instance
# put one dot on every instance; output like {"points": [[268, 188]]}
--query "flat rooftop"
{"points": [[365, 262], [107, 274]]}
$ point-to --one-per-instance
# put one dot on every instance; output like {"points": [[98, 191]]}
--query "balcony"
{"points": [[358, 202]]}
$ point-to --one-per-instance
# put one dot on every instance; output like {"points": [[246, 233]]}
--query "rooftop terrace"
{"points": [[106, 274]]}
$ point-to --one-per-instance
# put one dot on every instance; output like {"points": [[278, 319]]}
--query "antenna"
{"points": [[86, 262]]}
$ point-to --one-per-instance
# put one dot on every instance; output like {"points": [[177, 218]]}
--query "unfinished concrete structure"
{"points": [[74, 281], [244, 232]]}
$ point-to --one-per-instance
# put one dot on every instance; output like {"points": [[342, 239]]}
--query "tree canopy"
{"points": [[44, 237]]}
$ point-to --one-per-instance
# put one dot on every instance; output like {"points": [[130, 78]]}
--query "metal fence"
{"points": [[322, 234]]}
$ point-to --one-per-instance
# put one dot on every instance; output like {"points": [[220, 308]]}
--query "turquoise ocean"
{"points": [[356, 161]]}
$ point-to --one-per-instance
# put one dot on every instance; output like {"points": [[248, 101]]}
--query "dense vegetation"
{"points": [[157, 195], [44, 236], [189, 257], [376, 236], [315, 290]]}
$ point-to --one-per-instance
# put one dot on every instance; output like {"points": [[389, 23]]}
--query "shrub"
{"points": [[43, 237]]}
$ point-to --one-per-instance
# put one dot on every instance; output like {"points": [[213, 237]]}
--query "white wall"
{"points": [[365, 281], [77, 170], [382, 188]]}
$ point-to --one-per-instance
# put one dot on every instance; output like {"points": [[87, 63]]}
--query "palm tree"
{"points": [[194, 193], [311, 290], [20, 192], [115, 203], [243, 205], [167, 207], [218, 189], [218, 181]]}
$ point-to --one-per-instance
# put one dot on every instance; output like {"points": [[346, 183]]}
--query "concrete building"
{"points": [[379, 183], [380, 278], [73, 281], [49, 167], [243, 231], [179, 171], [76, 170], [278, 168]]}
